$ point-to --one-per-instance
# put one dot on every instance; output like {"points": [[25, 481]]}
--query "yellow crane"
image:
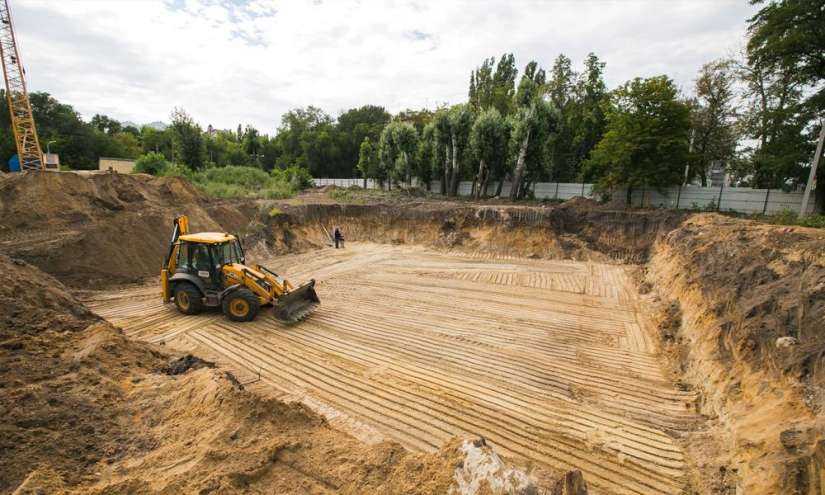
{"points": [[22, 119]]}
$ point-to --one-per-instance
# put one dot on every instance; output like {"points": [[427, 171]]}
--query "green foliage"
{"points": [[275, 211], [789, 34], [237, 182], [783, 78], [368, 162], [343, 195], [646, 142], [396, 150], [713, 125], [187, 138], [494, 89], [459, 121], [151, 163], [531, 85], [308, 138], [298, 178], [488, 144], [426, 165], [580, 98], [790, 217], [531, 127]]}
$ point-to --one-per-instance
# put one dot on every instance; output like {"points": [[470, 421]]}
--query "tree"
{"points": [[591, 92], [531, 85], [442, 147], [562, 91], [368, 163], [784, 75], [426, 160], [531, 127], [460, 120], [352, 127], [713, 119], [308, 138], [504, 80], [152, 139], [495, 89], [775, 119], [646, 141], [188, 140], [105, 124], [418, 118], [488, 145], [789, 34], [397, 148]]}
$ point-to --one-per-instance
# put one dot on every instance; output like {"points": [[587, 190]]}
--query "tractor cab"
{"points": [[204, 255]]}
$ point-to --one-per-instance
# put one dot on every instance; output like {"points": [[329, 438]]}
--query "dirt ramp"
{"points": [[103, 229]]}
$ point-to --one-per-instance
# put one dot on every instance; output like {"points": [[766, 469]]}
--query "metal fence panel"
{"points": [[739, 199]]}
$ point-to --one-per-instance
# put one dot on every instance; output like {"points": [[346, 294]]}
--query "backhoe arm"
{"points": [[181, 227]]}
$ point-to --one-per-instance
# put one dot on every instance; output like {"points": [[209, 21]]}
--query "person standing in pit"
{"points": [[338, 235]]}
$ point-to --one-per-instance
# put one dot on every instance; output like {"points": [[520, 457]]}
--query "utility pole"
{"points": [[803, 210]]}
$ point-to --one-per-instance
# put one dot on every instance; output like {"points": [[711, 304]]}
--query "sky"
{"points": [[249, 61]]}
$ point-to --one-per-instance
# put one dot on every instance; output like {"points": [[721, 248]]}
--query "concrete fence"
{"points": [[738, 199]]}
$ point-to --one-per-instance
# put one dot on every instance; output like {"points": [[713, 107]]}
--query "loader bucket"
{"points": [[297, 304]]}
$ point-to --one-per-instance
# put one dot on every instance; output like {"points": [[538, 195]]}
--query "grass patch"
{"points": [[359, 195], [790, 217]]}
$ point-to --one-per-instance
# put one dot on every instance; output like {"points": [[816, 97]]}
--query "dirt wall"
{"points": [[579, 230], [745, 313]]}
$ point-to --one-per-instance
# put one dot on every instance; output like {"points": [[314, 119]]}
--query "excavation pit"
{"points": [[553, 362]]}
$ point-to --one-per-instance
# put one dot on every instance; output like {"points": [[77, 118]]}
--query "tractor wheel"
{"points": [[240, 305], [188, 299]]}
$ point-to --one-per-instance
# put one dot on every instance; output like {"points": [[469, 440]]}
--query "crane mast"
{"points": [[22, 119]]}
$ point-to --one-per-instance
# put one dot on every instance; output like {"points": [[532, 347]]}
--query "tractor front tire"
{"points": [[240, 305], [188, 299]]}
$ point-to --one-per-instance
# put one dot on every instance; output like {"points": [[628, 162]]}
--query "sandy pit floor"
{"points": [[551, 361]]}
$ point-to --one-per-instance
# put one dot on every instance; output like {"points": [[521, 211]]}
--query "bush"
{"points": [[151, 163], [236, 182], [297, 177], [790, 217]]}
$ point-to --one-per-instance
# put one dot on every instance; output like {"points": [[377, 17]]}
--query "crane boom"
{"points": [[22, 119]]}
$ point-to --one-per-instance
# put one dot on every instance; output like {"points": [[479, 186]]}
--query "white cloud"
{"points": [[249, 61]]}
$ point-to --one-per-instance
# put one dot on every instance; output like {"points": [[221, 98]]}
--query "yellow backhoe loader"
{"points": [[209, 270]]}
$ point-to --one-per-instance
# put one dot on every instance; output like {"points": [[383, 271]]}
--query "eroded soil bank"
{"points": [[739, 304]]}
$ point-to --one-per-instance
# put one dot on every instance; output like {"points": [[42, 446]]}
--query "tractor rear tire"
{"points": [[241, 305], [188, 299]]}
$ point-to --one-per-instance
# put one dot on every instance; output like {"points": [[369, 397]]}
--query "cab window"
{"points": [[226, 253], [193, 257]]}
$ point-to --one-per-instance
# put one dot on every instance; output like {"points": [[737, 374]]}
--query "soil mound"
{"points": [[102, 229]]}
